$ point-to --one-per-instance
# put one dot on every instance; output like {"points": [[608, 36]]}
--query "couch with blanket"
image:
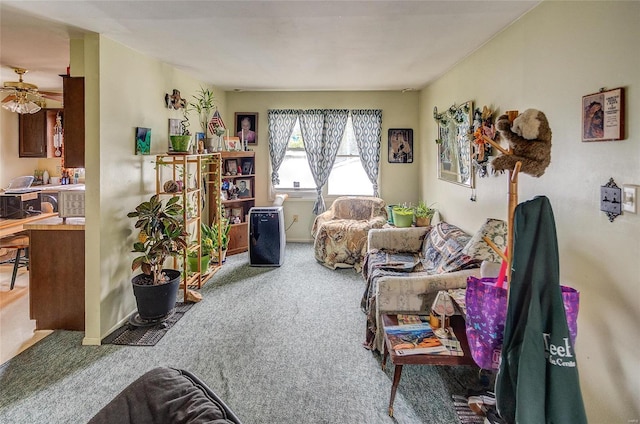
{"points": [[404, 268], [340, 233]]}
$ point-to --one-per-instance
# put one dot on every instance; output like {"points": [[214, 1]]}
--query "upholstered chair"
{"points": [[340, 233]]}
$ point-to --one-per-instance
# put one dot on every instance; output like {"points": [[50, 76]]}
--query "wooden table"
{"points": [[458, 325]]}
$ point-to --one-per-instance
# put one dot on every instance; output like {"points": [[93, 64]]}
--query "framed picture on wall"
{"points": [[603, 115], [143, 141], [247, 127], [400, 145]]}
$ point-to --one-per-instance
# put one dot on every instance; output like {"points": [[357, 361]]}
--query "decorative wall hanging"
{"points": [[143, 141], [454, 144], [400, 145], [603, 115], [247, 127], [611, 199], [174, 101], [482, 127]]}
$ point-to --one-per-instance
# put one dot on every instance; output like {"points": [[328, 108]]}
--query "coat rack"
{"points": [[513, 201]]}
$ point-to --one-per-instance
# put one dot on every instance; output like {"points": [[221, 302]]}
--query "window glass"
{"points": [[347, 175]]}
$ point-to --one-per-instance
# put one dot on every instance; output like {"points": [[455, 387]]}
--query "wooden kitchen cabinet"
{"points": [[73, 96], [36, 133]]}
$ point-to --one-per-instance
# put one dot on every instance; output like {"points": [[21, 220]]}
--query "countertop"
{"points": [[56, 223], [55, 188], [12, 226]]}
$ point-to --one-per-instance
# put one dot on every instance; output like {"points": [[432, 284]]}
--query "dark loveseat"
{"points": [[166, 395]]}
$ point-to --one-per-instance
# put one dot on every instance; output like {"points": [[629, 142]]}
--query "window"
{"points": [[347, 175]]}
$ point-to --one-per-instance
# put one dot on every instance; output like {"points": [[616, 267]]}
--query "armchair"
{"points": [[340, 233]]}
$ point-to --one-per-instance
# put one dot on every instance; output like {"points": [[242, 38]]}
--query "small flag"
{"points": [[216, 122]]}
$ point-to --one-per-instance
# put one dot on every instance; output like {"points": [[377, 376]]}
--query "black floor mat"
{"points": [[146, 336]]}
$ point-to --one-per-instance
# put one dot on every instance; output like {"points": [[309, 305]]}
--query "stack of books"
{"points": [[414, 336]]}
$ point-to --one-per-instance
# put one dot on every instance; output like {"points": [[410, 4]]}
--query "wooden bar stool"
{"points": [[19, 242]]}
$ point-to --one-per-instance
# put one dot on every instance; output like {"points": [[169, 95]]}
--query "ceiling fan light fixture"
{"points": [[26, 98]]}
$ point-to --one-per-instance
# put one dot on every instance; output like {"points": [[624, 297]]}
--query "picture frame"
{"points": [[143, 141], [244, 192], [247, 167], [231, 166], [603, 115], [454, 144], [400, 145], [236, 212], [250, 121], [232, 143], [200, 136]]}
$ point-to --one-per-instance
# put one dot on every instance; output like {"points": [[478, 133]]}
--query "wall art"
{"points": [[247, 127], [143, 141], [603, 115], [400, 145]]}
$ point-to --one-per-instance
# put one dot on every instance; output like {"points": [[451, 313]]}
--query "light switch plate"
{"points": [[630, 198]]}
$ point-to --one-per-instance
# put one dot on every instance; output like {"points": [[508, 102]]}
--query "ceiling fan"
{"points": [[23, 97]]}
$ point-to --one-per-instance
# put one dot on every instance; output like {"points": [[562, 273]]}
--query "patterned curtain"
{"points": [[367, 127], [322, 132], [281, 123]]}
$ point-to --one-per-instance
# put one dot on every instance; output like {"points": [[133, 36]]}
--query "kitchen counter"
{"points": [[45, 188], [56, 223], [12, 226], [56, 273]]}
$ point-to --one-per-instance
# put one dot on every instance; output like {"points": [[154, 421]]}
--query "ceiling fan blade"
{"points": [[9, 98], [52, 95]]}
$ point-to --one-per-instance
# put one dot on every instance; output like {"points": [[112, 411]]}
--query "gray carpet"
{"points": [[279, 345]]}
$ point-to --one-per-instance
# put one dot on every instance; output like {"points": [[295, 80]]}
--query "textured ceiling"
{"points": [[262, 45]]}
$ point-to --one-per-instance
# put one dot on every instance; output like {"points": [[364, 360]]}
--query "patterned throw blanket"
{"points": [[379, 264]]}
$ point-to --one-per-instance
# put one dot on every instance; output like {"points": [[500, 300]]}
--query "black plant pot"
{"points": [[156, 302]]}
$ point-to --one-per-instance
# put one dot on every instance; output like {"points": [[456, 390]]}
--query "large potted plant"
{"points": [[162, 235]]}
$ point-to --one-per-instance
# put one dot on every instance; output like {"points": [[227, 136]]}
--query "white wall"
{"points": [[398, 182], [548, 60], [124, 90]]}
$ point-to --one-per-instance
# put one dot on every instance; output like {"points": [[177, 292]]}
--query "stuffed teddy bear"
{"points": [[530, 141]]}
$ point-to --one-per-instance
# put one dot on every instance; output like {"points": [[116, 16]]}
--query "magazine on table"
{"points": [[414, 339], [452, 343]]}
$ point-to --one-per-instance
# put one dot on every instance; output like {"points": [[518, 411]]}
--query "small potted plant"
{"points": [[402, 215], [162, 235], [182, 142], [203, 105], [423, 214], [206, 248], [224, 239]]}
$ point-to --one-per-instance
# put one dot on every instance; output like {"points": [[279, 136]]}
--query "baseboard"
{"points": [[112, 329], [299, 240]]}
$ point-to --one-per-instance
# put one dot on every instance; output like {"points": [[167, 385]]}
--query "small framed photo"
{"points": [[244, 188], [247, 167], [232, 143], [247, 127], [400, 145], [227, 212], [143, 141], [231, 166], [603, 115], [199, 137]]}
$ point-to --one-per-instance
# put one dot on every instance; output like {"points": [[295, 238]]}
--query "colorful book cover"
{"points": [[407, 319], [414, 339]]}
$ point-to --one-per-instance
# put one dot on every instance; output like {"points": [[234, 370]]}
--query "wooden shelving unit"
{"points": [[194, 174], [236, 208]]}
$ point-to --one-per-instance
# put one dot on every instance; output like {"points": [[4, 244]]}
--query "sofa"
{"points": [[166, 395], [340, 233], [404, 268]]}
